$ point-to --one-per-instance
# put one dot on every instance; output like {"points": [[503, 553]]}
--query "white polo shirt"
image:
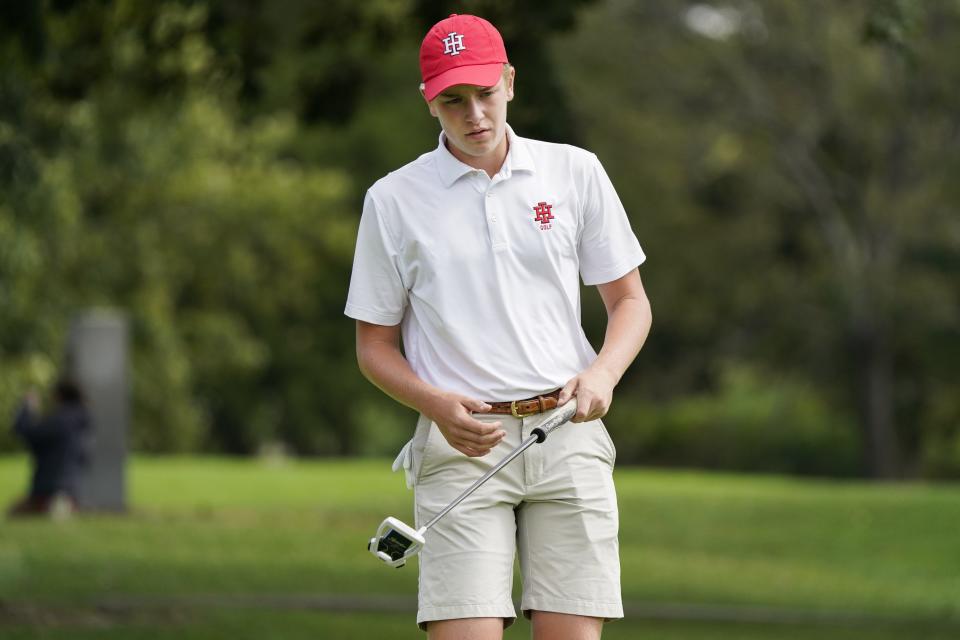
{"points": [[483, 273]]}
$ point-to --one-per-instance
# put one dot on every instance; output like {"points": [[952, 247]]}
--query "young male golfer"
{"points": [[473, 253]]}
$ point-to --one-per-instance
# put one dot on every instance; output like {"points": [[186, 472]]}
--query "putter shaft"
{"points": [[537, 435], [500, 465]]}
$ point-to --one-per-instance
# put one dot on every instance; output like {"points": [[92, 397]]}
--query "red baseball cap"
{"points": [[461, 49]]}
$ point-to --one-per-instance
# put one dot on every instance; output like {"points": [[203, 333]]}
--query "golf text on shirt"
{"points": [[483, 274]]}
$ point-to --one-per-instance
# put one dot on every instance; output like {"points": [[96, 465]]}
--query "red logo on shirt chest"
{"points": [[543, 215]]}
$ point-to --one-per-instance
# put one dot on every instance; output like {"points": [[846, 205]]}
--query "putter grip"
{"points": [[562, 416]]}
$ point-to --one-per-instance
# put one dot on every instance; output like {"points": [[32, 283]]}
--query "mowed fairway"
{"points": [[216, 548]]}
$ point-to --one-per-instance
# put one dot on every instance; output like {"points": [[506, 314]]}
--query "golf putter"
{"points": [[395, 541]]}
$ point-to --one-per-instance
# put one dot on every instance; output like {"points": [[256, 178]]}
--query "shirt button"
{"points": [[489, 194], [494, 219]]}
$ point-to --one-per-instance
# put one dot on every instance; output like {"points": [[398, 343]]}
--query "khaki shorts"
{"points": [[555, 506]]}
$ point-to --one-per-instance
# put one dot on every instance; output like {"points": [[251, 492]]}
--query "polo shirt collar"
{"points": [[451, 169]]}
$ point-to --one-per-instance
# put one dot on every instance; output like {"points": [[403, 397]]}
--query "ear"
{"points": [[511, 74], [430, 106]]}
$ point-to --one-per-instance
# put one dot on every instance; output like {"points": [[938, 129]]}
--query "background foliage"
{"points": [[787, 167]]}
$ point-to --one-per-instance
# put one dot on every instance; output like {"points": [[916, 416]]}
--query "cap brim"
{"points": [[481, 75]]}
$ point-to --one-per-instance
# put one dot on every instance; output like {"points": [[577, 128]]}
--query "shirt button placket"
{"points": [[495, 227]]}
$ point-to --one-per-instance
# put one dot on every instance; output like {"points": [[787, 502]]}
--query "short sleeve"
{"points": [[376, 294], [608, 248]]}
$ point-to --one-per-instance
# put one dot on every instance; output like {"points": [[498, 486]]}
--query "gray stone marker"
{"points": [[97, 359]]}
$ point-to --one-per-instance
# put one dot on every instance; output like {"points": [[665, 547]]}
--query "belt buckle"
{"points": [[517, 414]]}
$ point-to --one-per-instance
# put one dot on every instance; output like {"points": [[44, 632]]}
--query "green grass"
{"points": [[206, 528], [297, 625]]}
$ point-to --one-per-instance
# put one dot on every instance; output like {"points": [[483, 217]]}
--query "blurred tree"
{"points": [[795, 178], [787, 165], [188, 161], [133, 183]]}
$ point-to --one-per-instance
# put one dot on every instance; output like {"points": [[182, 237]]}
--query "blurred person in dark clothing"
{"points": [[58, 445]]}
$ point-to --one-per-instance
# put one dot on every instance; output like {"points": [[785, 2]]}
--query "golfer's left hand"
{"points": [[593, 389]]}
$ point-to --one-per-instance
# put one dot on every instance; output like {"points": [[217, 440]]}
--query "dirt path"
{"points": [[131, 609]]}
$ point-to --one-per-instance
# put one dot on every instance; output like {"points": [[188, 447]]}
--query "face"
{"points": [[474, 119]]}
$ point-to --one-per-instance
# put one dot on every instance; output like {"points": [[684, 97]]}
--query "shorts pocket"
{"points": [[612, 449], [413, 453], [404, 460], [420, 446]]}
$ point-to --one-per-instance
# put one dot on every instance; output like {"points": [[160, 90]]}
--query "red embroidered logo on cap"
{"points": [[543, 215]]}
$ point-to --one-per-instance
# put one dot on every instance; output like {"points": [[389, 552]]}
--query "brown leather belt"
{"points": [[528, 407]]}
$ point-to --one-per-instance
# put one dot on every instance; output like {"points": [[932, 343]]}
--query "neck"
{"points": [[490, 163]]}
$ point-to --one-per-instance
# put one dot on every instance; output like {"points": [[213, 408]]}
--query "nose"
{"points": [[474, 113]]}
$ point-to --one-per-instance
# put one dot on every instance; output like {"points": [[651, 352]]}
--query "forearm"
{"points": [[385, 366], [382, 362], [628, 325]]}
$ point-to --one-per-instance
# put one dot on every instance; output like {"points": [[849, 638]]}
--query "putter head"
{"points": [[395, 542]]}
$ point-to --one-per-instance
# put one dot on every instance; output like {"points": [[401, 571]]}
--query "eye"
{"points": [[452, 101]]}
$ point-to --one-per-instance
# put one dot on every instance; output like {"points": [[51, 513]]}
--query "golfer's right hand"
{"points": [[452, 414]]}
